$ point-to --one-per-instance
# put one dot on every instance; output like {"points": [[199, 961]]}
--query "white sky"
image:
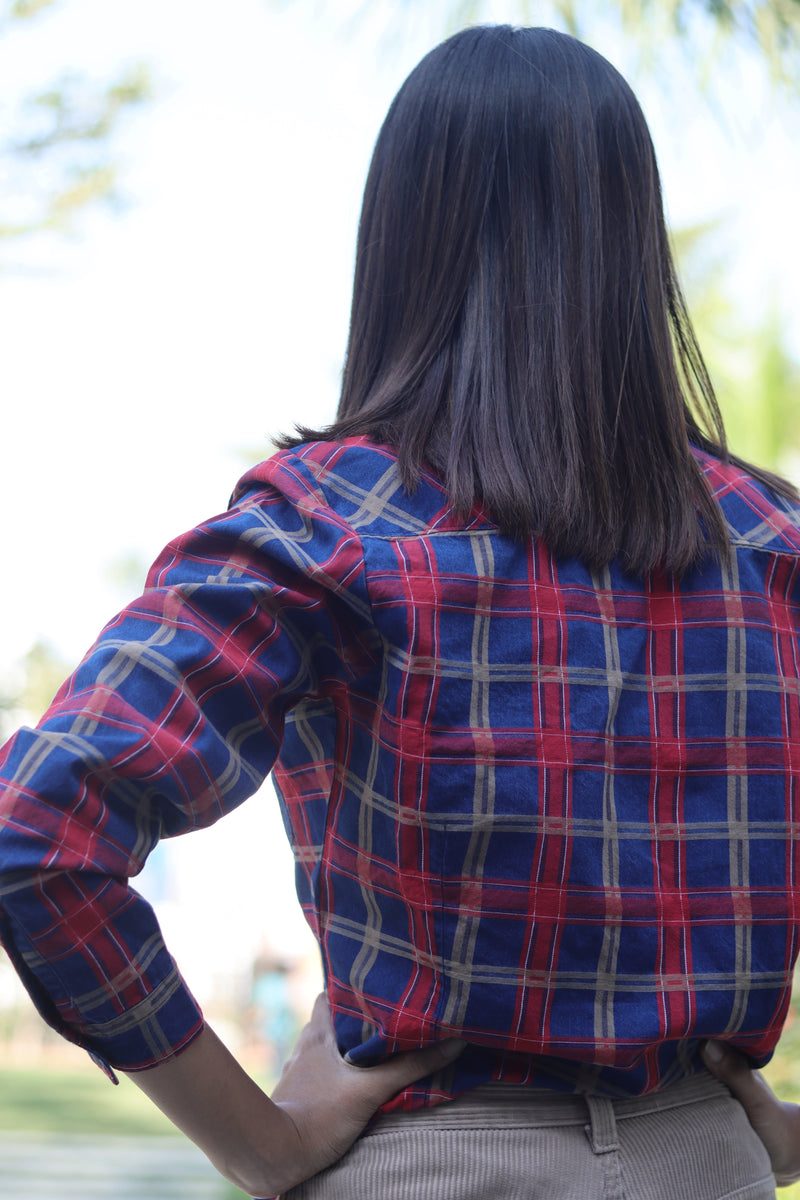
{"points": [[139, 361]]}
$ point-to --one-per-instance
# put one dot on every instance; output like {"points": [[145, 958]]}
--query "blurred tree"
{"points": [[762, 407], [756, 377], [44, 670], [755, 374], [697, 27], [56, 141], [27, 693], [127, 573], [27, 689]]}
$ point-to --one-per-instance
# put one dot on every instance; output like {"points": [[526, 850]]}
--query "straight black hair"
{"points": [[517, 323]]}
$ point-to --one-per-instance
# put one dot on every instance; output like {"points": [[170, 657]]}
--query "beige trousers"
{"points": [[691, 1141]]}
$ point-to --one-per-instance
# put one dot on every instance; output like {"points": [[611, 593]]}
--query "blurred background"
{"points": [[179, 192]]}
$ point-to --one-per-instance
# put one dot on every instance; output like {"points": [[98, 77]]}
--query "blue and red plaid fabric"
{"points": [[550, 810]]}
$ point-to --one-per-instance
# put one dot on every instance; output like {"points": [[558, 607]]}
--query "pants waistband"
{"points": [[513, 1106]]}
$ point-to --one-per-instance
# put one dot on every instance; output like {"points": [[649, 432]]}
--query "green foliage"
{"points": [[82, 1103], [45, 671], [762, 407], [58, 158], [782, 1073], [700, 28], [41, 673], [756, 376], [771, 27], [77, 1101], [28, 8]]}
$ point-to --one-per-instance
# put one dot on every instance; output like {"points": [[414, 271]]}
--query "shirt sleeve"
{"points": [[173, 718]]}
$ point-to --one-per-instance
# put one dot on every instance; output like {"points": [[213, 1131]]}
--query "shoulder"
{"points": [[354, 481], [318, 471], [756, 515]]}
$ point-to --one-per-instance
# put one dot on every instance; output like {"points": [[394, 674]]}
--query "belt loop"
{"points": [[602, 1133], [602, 1128]]}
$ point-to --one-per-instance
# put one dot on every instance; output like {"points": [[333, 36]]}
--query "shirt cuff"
{"points": [[153, 1031]]}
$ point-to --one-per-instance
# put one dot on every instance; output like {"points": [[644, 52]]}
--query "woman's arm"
{"points": [[171, 721], [776, 1122], [319, 1107]]}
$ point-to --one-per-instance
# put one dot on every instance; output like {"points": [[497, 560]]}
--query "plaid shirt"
{"points": [[550, 810]]}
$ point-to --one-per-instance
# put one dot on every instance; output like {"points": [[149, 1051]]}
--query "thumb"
{"points": [[775, 1121], [727, 1064], [747, 1085], [431, 1058], [718, 1057], [403, 1069]]}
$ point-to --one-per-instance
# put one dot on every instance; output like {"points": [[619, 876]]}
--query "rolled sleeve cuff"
{"points": [[153, 1031], [156, 1030]]}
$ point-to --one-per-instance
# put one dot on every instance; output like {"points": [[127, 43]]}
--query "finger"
{"points": [[777, 1123], [723, 1061], [320, 1020], [320, 1014], [416, 1063], [733, 1069], [399, 1072]]}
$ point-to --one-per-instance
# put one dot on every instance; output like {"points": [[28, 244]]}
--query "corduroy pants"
{"points": [[691, 1141]]}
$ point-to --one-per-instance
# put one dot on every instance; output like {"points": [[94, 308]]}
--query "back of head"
{"points": [[516, 322]]}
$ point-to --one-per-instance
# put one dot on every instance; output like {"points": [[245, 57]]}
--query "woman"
{"points": [[518, 637]]}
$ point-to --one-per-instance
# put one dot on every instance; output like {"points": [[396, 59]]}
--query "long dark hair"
{"points": [[517, 323]]}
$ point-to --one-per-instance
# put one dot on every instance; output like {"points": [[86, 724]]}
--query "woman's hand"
{"points": [[329, 1102], [775, 1121], [320, 1106]]}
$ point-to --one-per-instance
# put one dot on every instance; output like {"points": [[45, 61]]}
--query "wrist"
{"points": [[210, 1098], [275, 1163]]}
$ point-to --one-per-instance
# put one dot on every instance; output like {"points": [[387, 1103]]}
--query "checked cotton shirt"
{"points": [[550, 810]]}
